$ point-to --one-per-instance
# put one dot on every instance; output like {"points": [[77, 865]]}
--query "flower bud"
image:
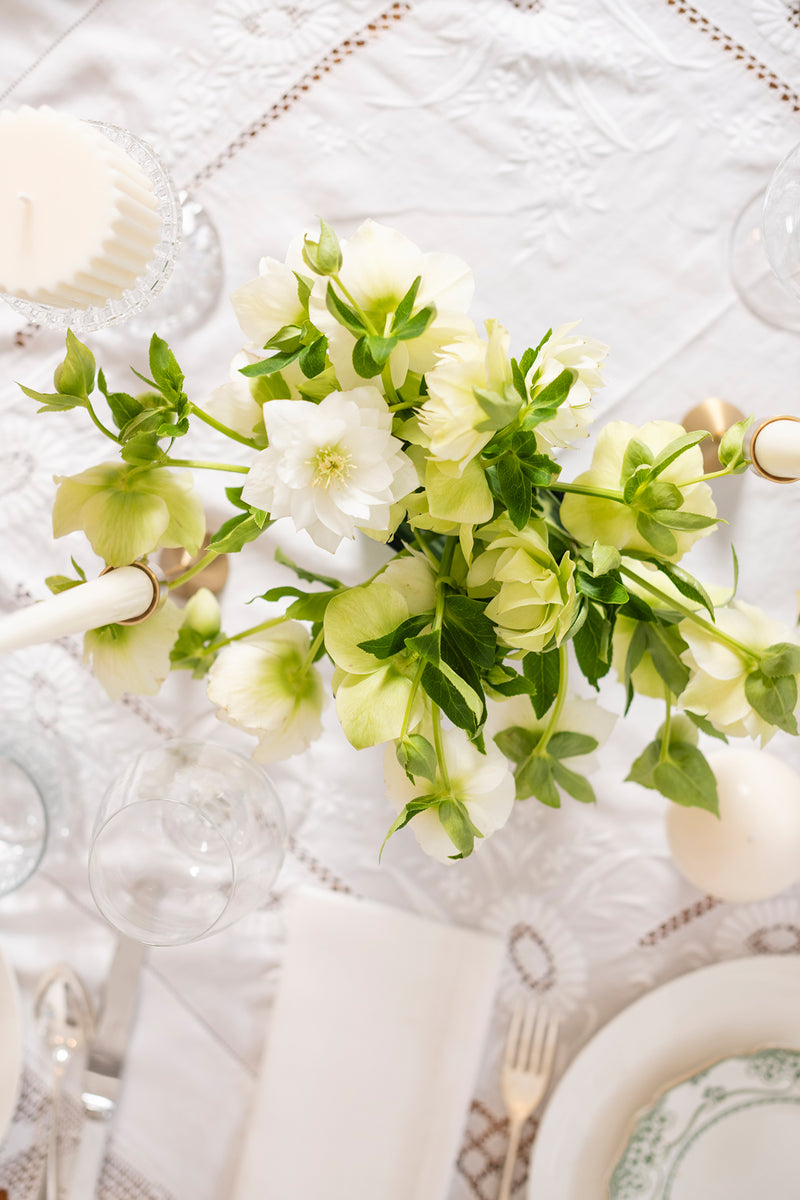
{"points": [[202, 613]]}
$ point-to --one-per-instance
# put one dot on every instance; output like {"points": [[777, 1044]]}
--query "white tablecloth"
{"points": [[588, 159]]}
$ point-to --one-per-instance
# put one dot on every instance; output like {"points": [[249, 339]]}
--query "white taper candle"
{"points": [[119, 595], [775, 448]]}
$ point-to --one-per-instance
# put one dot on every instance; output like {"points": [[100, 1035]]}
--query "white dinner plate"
{"points": [[728, 1132], [10, 1043], [673, 1031]]}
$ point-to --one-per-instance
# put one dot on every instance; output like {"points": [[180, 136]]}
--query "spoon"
{"points": [[64, 1017]]}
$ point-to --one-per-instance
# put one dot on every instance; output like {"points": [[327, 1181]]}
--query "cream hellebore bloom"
{"points": [[594, 518], [134, 658], [583, 357], [716, 687], [375, 696], [267, 303], [331, 467], [379, 265], [451, 414], [482, 782], [267, 687], [532, 596], [234, 403], [127, 512]]}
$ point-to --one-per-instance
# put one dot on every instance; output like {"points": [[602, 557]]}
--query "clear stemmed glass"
{"points": [[765, 248], [188, 839]]}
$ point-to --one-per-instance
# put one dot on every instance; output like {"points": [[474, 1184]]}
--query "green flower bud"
{"points": [[202, 613]]}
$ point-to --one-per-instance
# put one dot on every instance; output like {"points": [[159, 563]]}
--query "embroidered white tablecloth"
{"points": [[588, 159]]}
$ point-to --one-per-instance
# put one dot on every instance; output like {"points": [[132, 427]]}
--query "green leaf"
{"points": [[683, 520], [288, 337], [604, 559], [554, 393], [312, 358], [415, 326], [142, 450], [608, 588], [512, 684], [124, 408], [234, 494], [324, 257], [592, 644], [455, 822], [457, 700], [543, 670], [343, 313], [731, 447], [417, 757], [574, 784], [637, 454], [392, 643], [635, 483], [500, 407], [75, 375], [659, 538], [705, 726], [688, 586], [412, 809], [781, 659], [674, 450], [570, 745], [406, 305], [164, 368], [61, 583], [234, 534], [54, 401], [515, 489], [475, 634], [517, 742], [665, 645], [642, 768], [380, 348], [687, 779], [535, 778], [363, 362], [658, 496], [774, 699], [268, 366]]}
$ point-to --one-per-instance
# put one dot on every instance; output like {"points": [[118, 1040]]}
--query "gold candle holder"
{"points": [[716, 416]]}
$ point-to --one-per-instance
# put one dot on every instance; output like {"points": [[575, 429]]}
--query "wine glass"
{"points": [[765, 248], [188, 839]]}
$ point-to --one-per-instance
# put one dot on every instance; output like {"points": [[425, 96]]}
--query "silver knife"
{"points": [[105, 1060]]}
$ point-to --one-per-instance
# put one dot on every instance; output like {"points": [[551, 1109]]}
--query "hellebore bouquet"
{"points": [[370, 404]]}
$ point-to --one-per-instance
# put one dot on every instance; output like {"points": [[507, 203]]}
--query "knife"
{"points": [[105, 1059]]}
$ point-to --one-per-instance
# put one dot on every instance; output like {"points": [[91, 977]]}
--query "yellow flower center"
{"points": [[331, 464]]}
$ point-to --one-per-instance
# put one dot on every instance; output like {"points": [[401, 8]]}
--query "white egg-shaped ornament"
{"points": [[752, 849]]}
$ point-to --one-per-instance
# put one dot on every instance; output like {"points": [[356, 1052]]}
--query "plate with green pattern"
{"points": [[728, 1132]]}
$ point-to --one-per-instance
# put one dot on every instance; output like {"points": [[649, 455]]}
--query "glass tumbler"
{"points": [[189, 838], [35, 799]]}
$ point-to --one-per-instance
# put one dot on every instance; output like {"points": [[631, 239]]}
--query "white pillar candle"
{"points": [[776, 448], [752, 850], [78, 215], [116, 596]]}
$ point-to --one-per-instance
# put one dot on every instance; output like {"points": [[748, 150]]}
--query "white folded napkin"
{"points": [[372, 1054]]}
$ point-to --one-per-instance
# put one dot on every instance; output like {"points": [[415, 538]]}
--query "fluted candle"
{"points": [[775, 448], [120, 595], [78, 216]]}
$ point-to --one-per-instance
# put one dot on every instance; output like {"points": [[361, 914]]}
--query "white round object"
{"points": [[752, 850]]}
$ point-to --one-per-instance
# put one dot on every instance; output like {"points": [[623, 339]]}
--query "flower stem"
{"points": [[439, 748], [581, 489], [664, 755], [739, 647], [114, 436], [195, 569], [206, 466], [312, 651], [218, 425], [550, 727]]}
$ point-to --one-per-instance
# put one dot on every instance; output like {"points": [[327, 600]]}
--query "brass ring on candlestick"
{"points": [[156, 577], [754, 463]]}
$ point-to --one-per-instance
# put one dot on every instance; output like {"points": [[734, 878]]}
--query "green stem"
{"points": [[739, 647], [550, 727], [580, 489], [246, 633], [439, 748], [205, 466], [356, 307], [401, 404], [190, 573], [312, 652], [664, 755], [114, 437], [218, 425]]}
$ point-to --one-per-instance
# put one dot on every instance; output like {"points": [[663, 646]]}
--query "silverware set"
{"points": [[67, 1027], [527, 1066]]}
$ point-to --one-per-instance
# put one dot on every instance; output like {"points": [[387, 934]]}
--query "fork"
{"points": [[527, 1065]]}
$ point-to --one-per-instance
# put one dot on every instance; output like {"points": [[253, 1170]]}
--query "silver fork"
{"points": [[530, 1049]]}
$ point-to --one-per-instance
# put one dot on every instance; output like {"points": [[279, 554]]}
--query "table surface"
{"points": [[588, 160]]}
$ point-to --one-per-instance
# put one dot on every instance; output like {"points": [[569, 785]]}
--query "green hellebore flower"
{"points": [[127, 512]]}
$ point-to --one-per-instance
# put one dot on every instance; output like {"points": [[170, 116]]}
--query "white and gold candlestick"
{"points": [[121, 596], [89, 220]]}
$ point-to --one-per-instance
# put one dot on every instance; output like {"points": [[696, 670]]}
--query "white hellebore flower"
{"points": [[266, 687], [451, 414], [482, 782], [379, 265], [267, 303], [716, 687], [583, 357], [332, 467], [134, 658], [233, 403]]}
